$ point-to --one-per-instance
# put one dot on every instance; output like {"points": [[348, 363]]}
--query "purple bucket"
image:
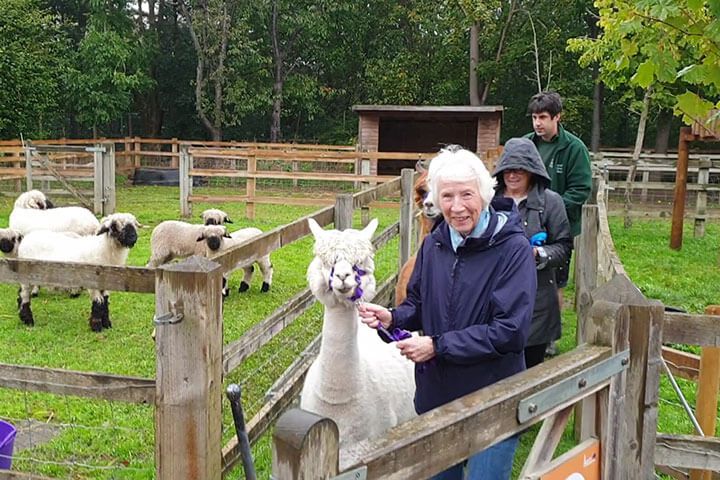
{"points": [[7, 441]]}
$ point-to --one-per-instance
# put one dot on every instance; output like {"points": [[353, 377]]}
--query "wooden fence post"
{"points": [[678, 212], [343, 211], [28, 166], [407, 209], [701, 203], [109, 196], [99, 178], [136, 147], [608, 324], [174, 150], [708, 385], [185, 181], [645, 180], [305, 447], [189, 387], [250, 187]]}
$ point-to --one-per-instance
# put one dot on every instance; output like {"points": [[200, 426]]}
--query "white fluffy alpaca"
{"points": [[357, 380]]}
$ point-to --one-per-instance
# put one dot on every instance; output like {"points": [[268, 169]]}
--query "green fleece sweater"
{"points": [[568, 165]]}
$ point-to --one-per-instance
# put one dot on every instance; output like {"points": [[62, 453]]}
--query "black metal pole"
{"points": [[234, 393]]}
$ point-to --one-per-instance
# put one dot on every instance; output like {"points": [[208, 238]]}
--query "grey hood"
{"points": [[521, 153]]}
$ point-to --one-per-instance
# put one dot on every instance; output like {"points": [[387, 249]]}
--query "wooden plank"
{"points": [[329, 200], [692, 329], [433, 441], [261, 333], [80, 384], [328, 177], [688, 451], [546, 442], [188, 408], [71, 275], [682, 364]]}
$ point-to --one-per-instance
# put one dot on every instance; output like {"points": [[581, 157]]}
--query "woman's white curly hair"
{"points": [[457, 164]]}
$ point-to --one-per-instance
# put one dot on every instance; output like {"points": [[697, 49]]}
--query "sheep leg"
{"points": [[106, 310], [247, 277], [97, 310], [267, 272], [23, 303], [225, 290]]}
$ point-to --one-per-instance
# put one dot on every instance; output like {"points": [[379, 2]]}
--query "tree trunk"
{"points": [[598, 94], [474, 59], [498, 53], [663, 127], [639, 138], [275, 132]]}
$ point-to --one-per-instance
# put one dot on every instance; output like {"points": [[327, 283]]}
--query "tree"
{"points": [[108, 68], [666, 44], [33, 57]]}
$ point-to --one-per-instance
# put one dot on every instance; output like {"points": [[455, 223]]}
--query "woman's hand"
{"points": [[372, 315], [417, 349]]}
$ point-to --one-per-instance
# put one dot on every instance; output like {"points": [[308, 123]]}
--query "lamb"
{"points": [[213, 216], [355, 370], [266, 268], [9, 241], [32, 212], [174, 239], [110, 246], [429, 214]]}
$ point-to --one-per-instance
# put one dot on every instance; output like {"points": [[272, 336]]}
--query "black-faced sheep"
{"points": [[32, 212], [213, 216], [110, 246], [9, 241], [173, 239]]}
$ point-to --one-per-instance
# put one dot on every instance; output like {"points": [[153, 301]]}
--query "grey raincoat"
{"points": [[542, 211]]}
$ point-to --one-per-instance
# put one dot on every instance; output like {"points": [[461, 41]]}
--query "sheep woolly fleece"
{"points": [[28, 215], [357, 380]]}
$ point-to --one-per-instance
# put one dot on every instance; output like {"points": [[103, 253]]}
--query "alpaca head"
{"points": [[423, 199], [32, 199], [122, 227], [342, 272]]}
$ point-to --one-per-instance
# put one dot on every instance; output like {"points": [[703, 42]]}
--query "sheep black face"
{"points": [[123, 230], [7, 245], [213, 235], [48, 204]]}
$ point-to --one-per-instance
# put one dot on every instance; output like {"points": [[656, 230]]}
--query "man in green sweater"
{"points": [[567, 161]]}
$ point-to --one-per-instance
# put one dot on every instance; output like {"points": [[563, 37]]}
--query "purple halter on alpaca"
{"points": [[359, 272]]}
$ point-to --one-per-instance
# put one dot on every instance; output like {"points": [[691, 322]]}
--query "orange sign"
{"points": [[580, 463]]}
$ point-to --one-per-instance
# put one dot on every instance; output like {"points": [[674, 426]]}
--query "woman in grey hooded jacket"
{"points": [[521, 175]]}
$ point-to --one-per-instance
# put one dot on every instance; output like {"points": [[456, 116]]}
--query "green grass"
{"points": [[116, 439]]}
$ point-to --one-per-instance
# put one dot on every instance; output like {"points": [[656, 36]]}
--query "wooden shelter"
{"points": [[400, 128]]}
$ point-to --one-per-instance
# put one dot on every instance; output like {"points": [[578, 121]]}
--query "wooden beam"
{"points": [[682, 364], [688, 451], [80, 384], [691, 329], [429, 443], [69, 275]]}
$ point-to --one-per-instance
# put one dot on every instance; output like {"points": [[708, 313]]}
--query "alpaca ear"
{"points": [[315, 228], [368, 231]]}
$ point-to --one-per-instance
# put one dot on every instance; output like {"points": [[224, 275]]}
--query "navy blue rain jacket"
{"points": [[476, 303]]}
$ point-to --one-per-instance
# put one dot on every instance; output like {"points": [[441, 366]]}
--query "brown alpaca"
{"points": [[427, 219]]}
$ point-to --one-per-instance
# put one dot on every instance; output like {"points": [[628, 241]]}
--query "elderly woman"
{"points": [[521, 176], [471, 293]]}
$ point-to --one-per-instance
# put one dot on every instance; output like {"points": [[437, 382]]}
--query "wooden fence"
{"points": [[190, 357], [612, 379]]}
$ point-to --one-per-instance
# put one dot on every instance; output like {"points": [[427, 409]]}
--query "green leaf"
{"points": [[645, 74], [692, 107]]}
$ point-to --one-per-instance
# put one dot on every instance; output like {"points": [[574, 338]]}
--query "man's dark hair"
{"points": [[549, 102]]}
